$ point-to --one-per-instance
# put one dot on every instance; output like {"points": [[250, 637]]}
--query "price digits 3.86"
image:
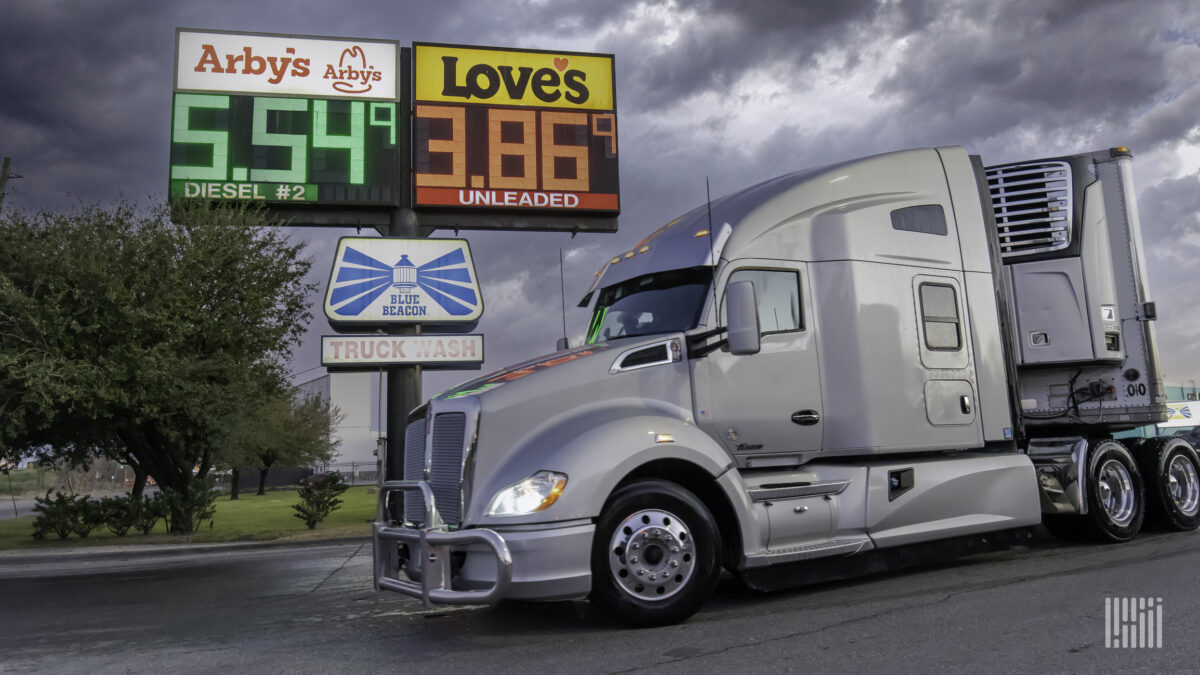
{"points": [[516, 141]]}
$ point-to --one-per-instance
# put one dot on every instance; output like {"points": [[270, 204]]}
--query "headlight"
{"points": [[533, 494]]}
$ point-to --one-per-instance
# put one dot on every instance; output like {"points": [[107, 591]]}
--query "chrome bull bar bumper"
{"points": [[431, 545]]}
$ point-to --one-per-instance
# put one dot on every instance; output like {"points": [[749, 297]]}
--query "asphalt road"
{"points": [[311, 609]]}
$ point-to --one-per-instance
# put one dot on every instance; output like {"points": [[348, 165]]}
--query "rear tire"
{"points": [[1116, 500], [656, 555], [1171, 469]]}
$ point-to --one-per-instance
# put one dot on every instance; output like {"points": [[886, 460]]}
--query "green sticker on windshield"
{"points": [[597, 321]]}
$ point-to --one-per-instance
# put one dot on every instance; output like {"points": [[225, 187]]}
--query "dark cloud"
{"points": [[85, 112], [1170, 123], [727, 39], [80, 113], [735, 91], [1170, 216], [1035, 68], [1171, 208]]}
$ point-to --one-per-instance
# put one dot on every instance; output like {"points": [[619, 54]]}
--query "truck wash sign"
{"points": [[373, 351], [399, 281], [292, 65], [514, 130]]}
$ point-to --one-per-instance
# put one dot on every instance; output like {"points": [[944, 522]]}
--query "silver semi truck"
{"points": [[903, 352]]}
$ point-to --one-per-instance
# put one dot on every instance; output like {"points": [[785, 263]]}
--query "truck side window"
{"points": [[939, 316], [778, 294], [927, 219]]}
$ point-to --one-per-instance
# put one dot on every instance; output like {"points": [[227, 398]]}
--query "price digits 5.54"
{"points": [[283, 141]]}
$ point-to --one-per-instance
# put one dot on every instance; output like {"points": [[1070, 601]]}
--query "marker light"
{"points": [[536, 493]]}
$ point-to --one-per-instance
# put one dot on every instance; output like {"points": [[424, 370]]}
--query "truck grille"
{"points": [[444, 469], [414, 469], [1033, 207]]}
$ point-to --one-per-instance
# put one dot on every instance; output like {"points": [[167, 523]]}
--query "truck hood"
{"points": [[557, 413], [531, 369]]}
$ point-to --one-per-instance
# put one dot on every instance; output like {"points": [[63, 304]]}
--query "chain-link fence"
{"points": [[355, 473], [103, 477], [106, 477]]}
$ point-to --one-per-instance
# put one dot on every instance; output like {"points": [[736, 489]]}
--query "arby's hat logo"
{"points": [[353, 74]]}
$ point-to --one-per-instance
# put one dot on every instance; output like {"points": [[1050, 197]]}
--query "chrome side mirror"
{"points": [[741, 312]]}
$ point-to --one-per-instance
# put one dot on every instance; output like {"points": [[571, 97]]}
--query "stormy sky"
{"points": [[733, 91]]}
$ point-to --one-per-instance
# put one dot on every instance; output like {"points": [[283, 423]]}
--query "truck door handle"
{"points": [[806, 418], [964, 402]]}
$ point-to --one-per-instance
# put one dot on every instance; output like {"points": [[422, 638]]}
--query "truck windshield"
{"points": [[662, 302]]}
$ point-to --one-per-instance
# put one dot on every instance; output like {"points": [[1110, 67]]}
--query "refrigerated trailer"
{"points": [[835, 365]]}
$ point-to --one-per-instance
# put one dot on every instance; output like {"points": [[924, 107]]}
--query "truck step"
{"points": [[823, 549]]}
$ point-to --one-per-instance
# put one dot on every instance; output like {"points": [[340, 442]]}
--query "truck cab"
{"points": [[826, 365]]}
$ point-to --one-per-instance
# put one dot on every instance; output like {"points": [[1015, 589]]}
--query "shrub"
{"points": [[87, 516], [319, 498], [120, 513], [55, 515], [185, 511], [147, 512]]}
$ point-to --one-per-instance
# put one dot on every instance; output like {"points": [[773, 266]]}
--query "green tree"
{"points": [[285, 429], [136, 333]]}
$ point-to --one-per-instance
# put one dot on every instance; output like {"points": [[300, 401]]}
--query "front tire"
{"points": [[1172, 473], [1116, 500], [656, 554]]}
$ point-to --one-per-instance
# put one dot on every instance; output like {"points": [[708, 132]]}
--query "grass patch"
{"points": [[250, 518], [27, 481]]}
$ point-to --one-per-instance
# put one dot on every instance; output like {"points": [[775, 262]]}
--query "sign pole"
{"points": [[403, 382]]}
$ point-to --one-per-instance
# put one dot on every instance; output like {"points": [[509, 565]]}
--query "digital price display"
{"points": [[498, 129], [276, 149]]}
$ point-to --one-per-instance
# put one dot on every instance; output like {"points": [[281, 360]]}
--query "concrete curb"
{"points": [[80, 553]]}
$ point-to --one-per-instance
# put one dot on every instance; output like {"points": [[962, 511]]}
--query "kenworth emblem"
{"points": [[381, 281]]}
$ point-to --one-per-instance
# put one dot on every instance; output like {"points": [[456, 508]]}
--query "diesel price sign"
{"points": [[281, 118], [507, 129], [284, 149]]}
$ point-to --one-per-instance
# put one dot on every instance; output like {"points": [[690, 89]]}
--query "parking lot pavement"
{"points": [[312, 609]]}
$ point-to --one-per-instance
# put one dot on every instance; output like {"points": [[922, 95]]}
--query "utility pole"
{"points": [[5, 174]]}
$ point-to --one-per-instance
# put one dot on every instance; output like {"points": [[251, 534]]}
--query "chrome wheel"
{"points": [[1183, 485], [656, 556], [651, 555], [1116, 492]]}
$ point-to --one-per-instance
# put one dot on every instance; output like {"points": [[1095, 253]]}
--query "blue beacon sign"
{"points": [[378, 281]]}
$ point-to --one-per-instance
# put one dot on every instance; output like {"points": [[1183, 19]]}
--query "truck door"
{"points": [[768, 403], [944, 342]]}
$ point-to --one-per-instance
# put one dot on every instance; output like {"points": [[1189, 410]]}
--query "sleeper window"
{"points": [[939, 316]]}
